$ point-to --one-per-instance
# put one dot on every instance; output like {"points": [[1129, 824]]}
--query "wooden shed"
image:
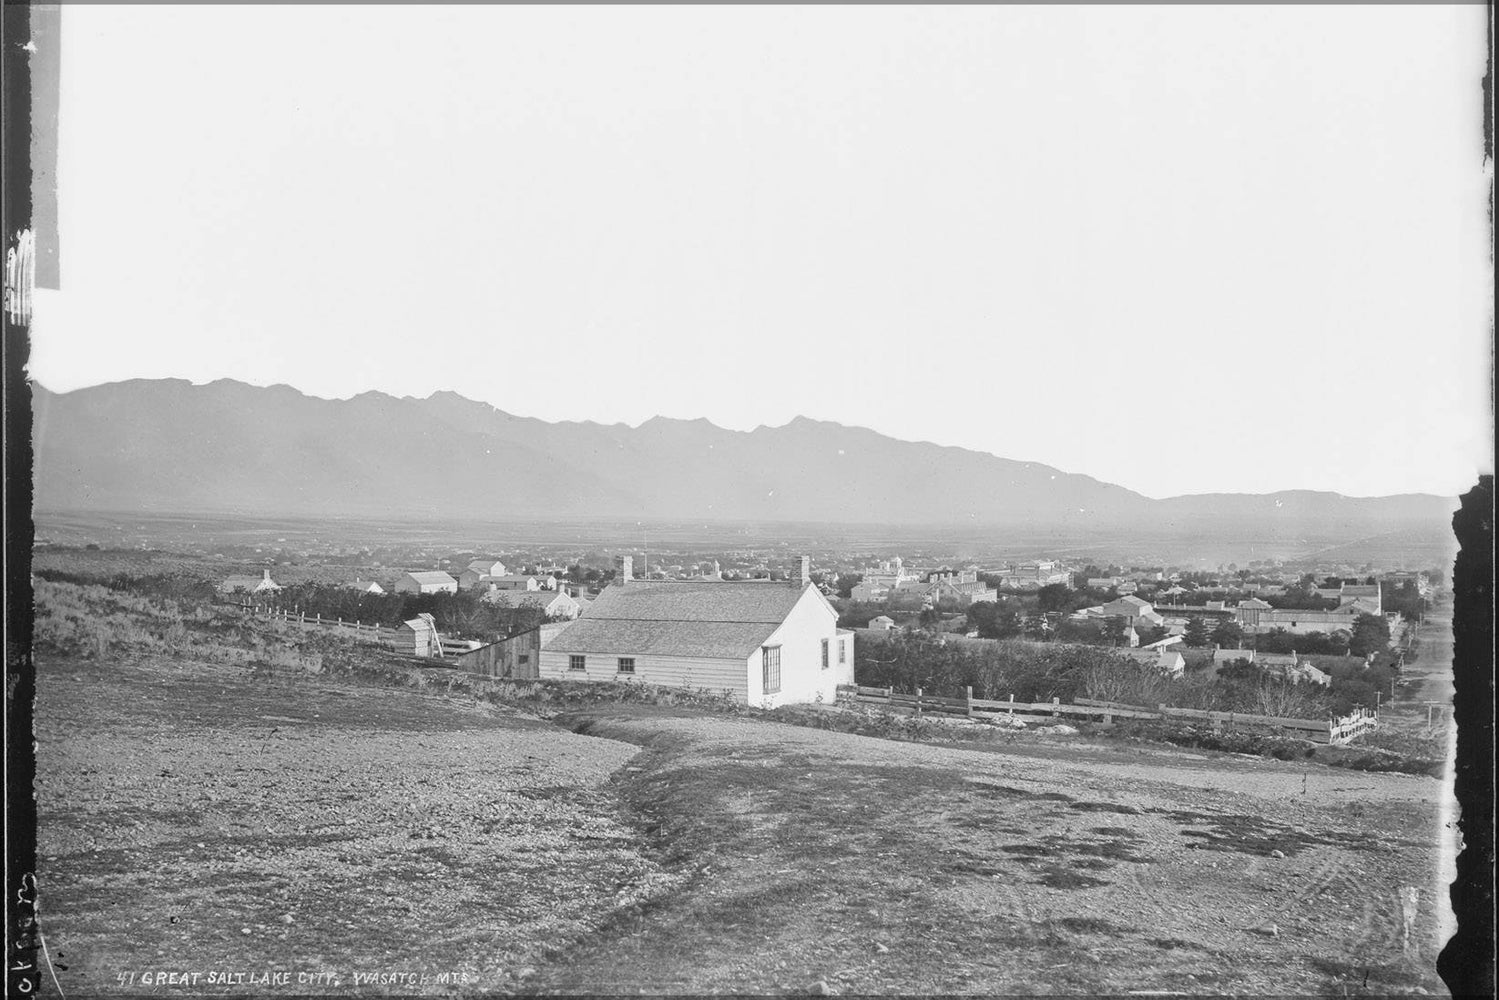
{"points": [[418, 637]]}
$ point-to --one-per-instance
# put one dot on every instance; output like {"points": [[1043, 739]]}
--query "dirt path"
{"points": [[876, 866]]}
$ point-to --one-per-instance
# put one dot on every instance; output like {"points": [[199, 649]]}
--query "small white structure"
{"points": [[486, 567], [513, 581], [249, 584], [432, 582], [883, 623], [366, 587]]}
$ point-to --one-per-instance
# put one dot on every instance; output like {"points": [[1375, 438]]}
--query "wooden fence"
{"points": [[372, 634], [1333, 731]]}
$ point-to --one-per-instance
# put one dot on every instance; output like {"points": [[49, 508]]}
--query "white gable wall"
{"points": [[800, 637]]}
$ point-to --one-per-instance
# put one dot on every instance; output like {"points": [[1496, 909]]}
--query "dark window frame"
{"points": [[624, 665], [770, 669], [577, 663]]}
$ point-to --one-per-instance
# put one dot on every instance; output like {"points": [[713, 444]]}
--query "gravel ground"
{"points": [[1042, 867], [195, 820]]}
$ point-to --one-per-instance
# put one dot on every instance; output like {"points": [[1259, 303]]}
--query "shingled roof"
{"points": [[714, 620]]}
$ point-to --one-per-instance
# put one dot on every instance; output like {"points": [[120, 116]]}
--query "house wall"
{"points": [[800, 636], [716, 675]]}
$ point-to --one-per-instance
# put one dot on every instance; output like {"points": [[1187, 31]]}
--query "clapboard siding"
{"points": [[668, 671]]}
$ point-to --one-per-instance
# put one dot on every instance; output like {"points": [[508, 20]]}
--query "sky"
{"points": [[1181, 249]]}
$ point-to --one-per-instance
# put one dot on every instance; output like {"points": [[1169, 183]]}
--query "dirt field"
{"points": [[876, 867], [195, 819], [314, 832]]}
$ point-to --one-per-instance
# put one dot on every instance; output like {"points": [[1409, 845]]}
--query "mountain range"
{"points": [[166, 445]]}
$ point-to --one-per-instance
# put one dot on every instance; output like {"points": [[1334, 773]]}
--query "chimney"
{"points": [[803, 572], [267, 576], [624, 566]]}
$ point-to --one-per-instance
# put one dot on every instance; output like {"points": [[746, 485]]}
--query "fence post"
{"points": [[918, 701], [1012, 704], [968, 697], [1054, 703]]}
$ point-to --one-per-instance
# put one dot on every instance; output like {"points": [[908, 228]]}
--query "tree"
{"points": [[1371, 634], [1152, 634], [1227, 633], [1054, 597], [1112, 631], [1196, 633]]}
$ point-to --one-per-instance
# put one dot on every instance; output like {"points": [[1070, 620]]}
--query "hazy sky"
{"points": [[1180, 249]]}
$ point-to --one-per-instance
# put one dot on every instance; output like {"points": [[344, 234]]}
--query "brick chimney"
{"points": [[803, 572], [624, 566]]}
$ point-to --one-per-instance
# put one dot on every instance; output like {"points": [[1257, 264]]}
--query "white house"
{"points": [[249, 584], [486, 567], [883, 623], [432, 582], [366, 587], [765, 643], [553, 603], [514, 581]]}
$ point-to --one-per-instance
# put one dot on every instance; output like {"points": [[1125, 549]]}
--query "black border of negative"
{"points": [[1466, 964]]}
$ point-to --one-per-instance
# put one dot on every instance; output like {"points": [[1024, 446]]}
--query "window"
{"points": [[627, 664], [576, 663], [524, 658], [824, 654], [770, 668], [842, 651]]}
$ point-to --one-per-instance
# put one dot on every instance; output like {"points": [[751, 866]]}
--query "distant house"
{"points": [[513, 581], [951, 591], [1127, 587], [764, 643], [1249, 611], [431, 582], [883, 623], [1223, 657], [418, 637], [553, 603], [249, 584], [1136, 612], [365, 587], [1102, 582], [486, 567]]}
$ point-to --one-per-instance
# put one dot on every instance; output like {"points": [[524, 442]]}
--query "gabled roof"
{"points": [[432, 576], [714, 620], [1255, 602], [248, 582]]}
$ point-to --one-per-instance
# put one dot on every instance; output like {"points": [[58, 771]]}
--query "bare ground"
{"points": [[208, 818]]}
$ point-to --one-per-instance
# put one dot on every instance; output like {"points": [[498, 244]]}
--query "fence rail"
{"points": [[370, 633], [1331, 731]]}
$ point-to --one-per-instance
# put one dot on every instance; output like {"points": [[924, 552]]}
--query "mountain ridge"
{"points": [[225, 444]]}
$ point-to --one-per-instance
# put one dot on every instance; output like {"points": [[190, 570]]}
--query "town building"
{"points": [[486, 567], [262, 584], [428, 582], [764, 643], [948, 590], [366, 587], [883, 623], [552, 603], [1033, 575]]}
